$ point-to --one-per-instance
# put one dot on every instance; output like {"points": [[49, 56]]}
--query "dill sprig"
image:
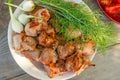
{"points": [[67, 14]]}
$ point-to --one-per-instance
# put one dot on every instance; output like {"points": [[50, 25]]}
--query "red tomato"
{"points": [[112, 9], [116, 1], [105, 2]]}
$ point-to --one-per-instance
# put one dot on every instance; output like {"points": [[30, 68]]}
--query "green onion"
{"points": [[27, 6], [16, 25]]}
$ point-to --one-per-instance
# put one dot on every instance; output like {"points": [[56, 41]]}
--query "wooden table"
{"points": [[107, 66]]}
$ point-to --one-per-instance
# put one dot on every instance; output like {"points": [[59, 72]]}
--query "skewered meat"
{"points": [[88, 48], [17, 41], [34, 55], [48, 56], [65, 51], [52, 70], [44, 13], [35, 27], [47, 41]]}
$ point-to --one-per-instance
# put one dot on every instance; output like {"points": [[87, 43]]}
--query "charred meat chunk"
{"points": [[21, 42], [35, 27], [29, 43], [88, 48], [65, 51], [52, 70], [48, 56], [47, 41], [75, 62], [44, 13], [17, 41], [33, 55]]}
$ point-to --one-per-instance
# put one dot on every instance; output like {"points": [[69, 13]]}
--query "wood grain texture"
{"points": [[24, 77], [8, 67], [107, 66]]}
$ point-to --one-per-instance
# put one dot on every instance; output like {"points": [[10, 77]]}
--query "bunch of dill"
{"points": [[78, 16]]}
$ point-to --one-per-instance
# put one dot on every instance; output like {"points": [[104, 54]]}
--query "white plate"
{"points": [[32, 68]]}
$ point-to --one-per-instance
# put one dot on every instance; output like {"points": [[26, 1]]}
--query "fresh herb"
{"points": [[67, 14]]}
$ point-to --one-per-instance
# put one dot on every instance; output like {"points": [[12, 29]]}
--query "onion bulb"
{"points": [[23, 18], [28, 5], [16, 25]]}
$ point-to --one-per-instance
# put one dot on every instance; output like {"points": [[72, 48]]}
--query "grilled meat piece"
{"points": [[22, 43], [65, 51], [47, 41], [48, 56], [52, 70], [17, 41], [33, 55], [35, 27], [75, 62], [61, 65], [88, 48], [29, 43], [51, 32], [44, 13]]}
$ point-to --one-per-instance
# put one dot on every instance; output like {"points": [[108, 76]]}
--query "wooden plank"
{"points": [[4, 14], [8, 67], [24, 77]]}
